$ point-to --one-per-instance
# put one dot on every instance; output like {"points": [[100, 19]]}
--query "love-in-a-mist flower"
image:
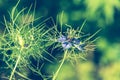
{"points": [[70, 42]]}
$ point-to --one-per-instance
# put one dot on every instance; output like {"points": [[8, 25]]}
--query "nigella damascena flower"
{"points": [[70, 42]]}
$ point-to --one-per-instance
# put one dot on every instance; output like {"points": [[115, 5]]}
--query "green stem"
{"points": [[14, 68], [63, 60]]}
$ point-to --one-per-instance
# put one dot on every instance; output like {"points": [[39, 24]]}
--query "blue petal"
{"points": [[66, 45], [62, 38]]}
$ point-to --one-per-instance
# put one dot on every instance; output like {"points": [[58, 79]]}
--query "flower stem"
{"points": [[14, 68], [63, 60]]}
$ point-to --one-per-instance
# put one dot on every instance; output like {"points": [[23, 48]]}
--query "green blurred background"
{"points": [[104, 63]]}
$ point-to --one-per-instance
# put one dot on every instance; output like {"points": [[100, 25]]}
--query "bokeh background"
{"points": [[104, 63]]}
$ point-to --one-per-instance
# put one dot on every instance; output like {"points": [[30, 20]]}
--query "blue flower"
{"points": [[70, 42]]}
